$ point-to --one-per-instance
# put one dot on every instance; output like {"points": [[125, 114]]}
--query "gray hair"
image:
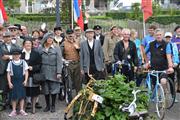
{"points": [[159, 30], [126, 30]]}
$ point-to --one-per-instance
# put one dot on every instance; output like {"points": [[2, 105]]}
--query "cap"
{"points": [[177, 27], [77, 28], [16, 51], [69, 31], [57, 28], [7, 33], [97, 27], [168, 34], [89, 30], [18, 26], [12, 27], [114, 26]]}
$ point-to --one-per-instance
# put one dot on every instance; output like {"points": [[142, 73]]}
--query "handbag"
{"points": [[38, 78]]}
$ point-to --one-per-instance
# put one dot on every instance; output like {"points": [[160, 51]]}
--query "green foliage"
{"points": [[12, 3], [115, 93], [165, 19]]}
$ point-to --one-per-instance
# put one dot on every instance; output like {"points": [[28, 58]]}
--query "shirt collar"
{"points": [[25, 51]]}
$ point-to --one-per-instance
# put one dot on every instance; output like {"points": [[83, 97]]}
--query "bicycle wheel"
{"points": [[170, 93], [68, 89], [160, 102]]}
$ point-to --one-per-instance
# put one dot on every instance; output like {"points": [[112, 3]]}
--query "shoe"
{"points": [[53, 109], [46, 109], [176, 101], [28, 106], [23, 113], [38, 106], [12, 114]]}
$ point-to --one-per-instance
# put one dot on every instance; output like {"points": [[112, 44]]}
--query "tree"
{"points": [[12, 4]]}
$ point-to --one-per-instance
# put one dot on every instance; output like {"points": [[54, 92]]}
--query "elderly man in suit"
{"points": [[5, 55], [91, 56]]}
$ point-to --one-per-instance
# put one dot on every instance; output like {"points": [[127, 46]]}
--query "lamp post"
{"points": [[58, 23]]}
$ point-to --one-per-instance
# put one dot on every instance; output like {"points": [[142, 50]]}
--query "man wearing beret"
{"points": [[91, 57], [98, 34]]}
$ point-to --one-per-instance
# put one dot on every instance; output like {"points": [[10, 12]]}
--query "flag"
{"points": [[146, 6], [78, 15], [3, 15]]}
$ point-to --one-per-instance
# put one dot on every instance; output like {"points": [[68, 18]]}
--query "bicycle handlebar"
{"points": [[155, 71]]}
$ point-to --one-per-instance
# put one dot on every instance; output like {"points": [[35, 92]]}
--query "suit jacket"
{"points": [[4, 51], [101, 39], [85, 56], [51, 63], [34, 61]]}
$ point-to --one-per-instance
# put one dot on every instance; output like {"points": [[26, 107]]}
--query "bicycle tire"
{"points": [[170, 93], [68, 89], [160, 102]]}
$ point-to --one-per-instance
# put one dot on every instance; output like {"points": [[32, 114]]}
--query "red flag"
{"points": [[147, 9], [3, 15], [80, 20]]}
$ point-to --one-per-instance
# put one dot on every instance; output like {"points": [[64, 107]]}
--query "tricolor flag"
{"points": [[146, 6], [78, 15], [3, 15]]}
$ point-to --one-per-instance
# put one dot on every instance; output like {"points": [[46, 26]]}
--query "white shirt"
{"points": [[98, 37], [27, 54], [8, 47], [91, 43]]}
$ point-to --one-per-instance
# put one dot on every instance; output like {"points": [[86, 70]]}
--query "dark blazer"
{"points": [[34, 61], [119, 52], [101, 39], [4, 51], [85, 56]]}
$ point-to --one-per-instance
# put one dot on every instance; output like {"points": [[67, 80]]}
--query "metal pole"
{"points": [[72, 14], [144, 26], [58, 23]]}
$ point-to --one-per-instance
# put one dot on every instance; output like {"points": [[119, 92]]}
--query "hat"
{"points": [[46, 36], [69, 31], [18, 26], [168, 34], [16, 51], [77, 28], [13, 27], [177, 27], [7, 33], [89, 30], [114, 26], [97, 27], [57, 28]]}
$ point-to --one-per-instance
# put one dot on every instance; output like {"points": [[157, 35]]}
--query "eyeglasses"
{"points": [[13, 30]]}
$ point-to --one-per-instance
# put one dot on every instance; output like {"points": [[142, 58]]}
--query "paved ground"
{"points": [[173, 114]]}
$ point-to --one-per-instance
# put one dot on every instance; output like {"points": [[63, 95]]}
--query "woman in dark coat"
{"points": [[52, 68], [33, 60]]}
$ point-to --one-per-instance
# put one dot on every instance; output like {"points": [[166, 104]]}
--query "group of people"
{"points": [[90, 52]]}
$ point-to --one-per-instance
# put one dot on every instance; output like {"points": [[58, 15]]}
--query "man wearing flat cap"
{"points": [[79, 34], [5, 56], [16, 35], [70, 52], [91, 57], [98, 34]]}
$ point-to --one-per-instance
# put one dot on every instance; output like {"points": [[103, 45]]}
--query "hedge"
{"points": [[162, 19]]}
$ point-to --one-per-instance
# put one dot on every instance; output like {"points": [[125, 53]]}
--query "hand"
{"points": [[135, 69], [76, 46], [25, 83], [5, 57], [170, 70], [30, 68], [58, 76], [10, 85], [82, 72]]}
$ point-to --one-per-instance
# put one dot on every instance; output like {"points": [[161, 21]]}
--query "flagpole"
{"points": [[72, 15], [144, 26]]}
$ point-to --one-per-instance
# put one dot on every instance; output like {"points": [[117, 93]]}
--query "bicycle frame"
{"points": [[149, 83]]}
